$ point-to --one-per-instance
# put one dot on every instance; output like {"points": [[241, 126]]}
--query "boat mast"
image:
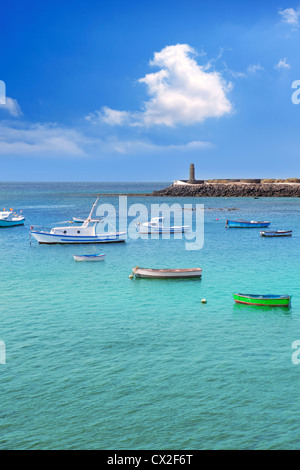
{"points": [[86, 222], [94, 205]]}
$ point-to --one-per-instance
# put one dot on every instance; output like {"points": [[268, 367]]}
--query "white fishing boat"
{"points": [[10, 219], [166, 273], [156, 225], [85, 233], [100, 257]]}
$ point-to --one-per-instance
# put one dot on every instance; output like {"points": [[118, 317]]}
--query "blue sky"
{"points": [[135, 91]]}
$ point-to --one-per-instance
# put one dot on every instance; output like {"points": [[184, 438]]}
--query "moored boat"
{"points": [[276, 233], [10, 219], [99, 257], [263, 300], [166, 273], [156, 225], [246, 224], [83, 234], [80, 220]]}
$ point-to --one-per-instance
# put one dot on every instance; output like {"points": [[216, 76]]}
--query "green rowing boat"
{"points": [[263, 300]]}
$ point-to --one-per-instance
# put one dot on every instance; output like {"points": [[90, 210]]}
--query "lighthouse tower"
{"points": [[192, 174]]}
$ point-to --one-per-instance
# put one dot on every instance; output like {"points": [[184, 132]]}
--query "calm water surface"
{"points": [[95, 360]]}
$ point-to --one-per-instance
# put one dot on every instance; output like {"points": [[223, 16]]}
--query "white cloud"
{"points": [[109, 116], [282, 64], [181, 92], [52, 141], [11, 105], [40, 140], [255, 68], [144, 147], [251, 70], [290, 16]]}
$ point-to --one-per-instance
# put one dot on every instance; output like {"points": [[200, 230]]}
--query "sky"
{"points": [[119, 90]]}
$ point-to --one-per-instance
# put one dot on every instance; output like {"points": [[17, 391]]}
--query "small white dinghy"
{"points": [[89, 257], [156, 225], [80, 220], [166, 273]]}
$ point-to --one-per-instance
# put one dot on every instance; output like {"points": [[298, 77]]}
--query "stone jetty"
{"points": [[231, 190]]}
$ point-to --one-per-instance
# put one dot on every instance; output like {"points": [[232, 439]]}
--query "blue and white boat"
{"points": [[85, 233], [156, 225], [99, 257], [10, 219], [246, 224]]}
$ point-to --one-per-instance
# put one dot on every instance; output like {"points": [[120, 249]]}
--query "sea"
{"points": [[92, 359]]}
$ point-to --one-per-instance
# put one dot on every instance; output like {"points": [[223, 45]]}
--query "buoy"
{"points": [[203, 301], [131, 276]]}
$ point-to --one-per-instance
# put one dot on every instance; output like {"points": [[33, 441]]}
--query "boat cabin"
{"points": [[156, 222], [5, 214], [88, 228]]}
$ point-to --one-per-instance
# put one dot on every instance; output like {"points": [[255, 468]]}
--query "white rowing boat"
{"points": [[89, 257], [166, 273]]}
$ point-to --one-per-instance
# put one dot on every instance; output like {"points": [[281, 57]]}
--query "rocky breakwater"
{"points": [[231, 190]]}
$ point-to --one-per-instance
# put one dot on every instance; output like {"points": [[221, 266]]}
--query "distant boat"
{"points": [[277, 233], [80, 220], [10, 219], [245, 224], [156, 225], [89, 257], [85, 233], [263, 300], [167, 273]]}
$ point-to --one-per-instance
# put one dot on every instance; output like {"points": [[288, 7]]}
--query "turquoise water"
{"points": [[95, 360]]}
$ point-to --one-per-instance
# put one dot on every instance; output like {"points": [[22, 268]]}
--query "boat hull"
{"points": [[11, 223], [245, 224], [263, 300], [167, 273], [146, 230], [54, 239], [89, 257], [279, 233], [80, 220]]}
